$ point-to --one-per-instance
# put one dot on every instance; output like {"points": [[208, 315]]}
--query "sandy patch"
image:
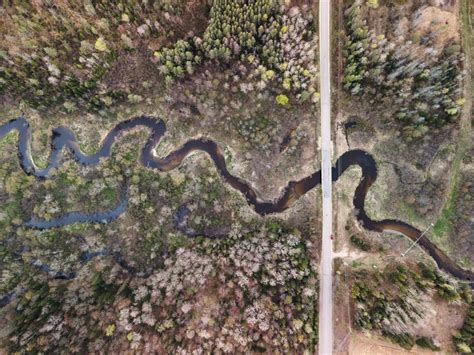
{"points": [[452, 316], [442, 25], [361, 344]]}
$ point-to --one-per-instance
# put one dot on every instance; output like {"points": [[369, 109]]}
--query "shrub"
{"points": [[424, 342], [280, 45], [444, 289], [389, 301], [405, 340], [425, 88], [282, 99], [361, 244], [57, 52], [374, 4], [464, 338]]}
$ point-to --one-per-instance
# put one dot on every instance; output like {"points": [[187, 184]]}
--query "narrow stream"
{"points": [[64, 138]]}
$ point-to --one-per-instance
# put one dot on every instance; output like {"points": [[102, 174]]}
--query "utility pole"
{"points": [[417, 239]]}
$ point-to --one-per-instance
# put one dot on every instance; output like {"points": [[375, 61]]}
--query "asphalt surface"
{"points": [[325, 298]]}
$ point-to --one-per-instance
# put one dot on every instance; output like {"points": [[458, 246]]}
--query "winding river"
{"points": [[64, 138]]}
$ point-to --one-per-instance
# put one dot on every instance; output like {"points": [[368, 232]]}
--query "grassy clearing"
{"points": [[443, 225], [8, 139], [411, 213]]}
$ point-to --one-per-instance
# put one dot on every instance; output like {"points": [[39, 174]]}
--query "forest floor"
{"points": [[246, 282], [418, 182]]}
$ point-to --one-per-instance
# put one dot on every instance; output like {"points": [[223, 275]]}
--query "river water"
{"points": [[64, 138]]}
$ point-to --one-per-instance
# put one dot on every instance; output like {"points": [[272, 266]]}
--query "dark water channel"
{"points": [[64, 138]]}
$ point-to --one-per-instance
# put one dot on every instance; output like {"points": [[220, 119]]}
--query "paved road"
{"points": [[325, 298]]}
